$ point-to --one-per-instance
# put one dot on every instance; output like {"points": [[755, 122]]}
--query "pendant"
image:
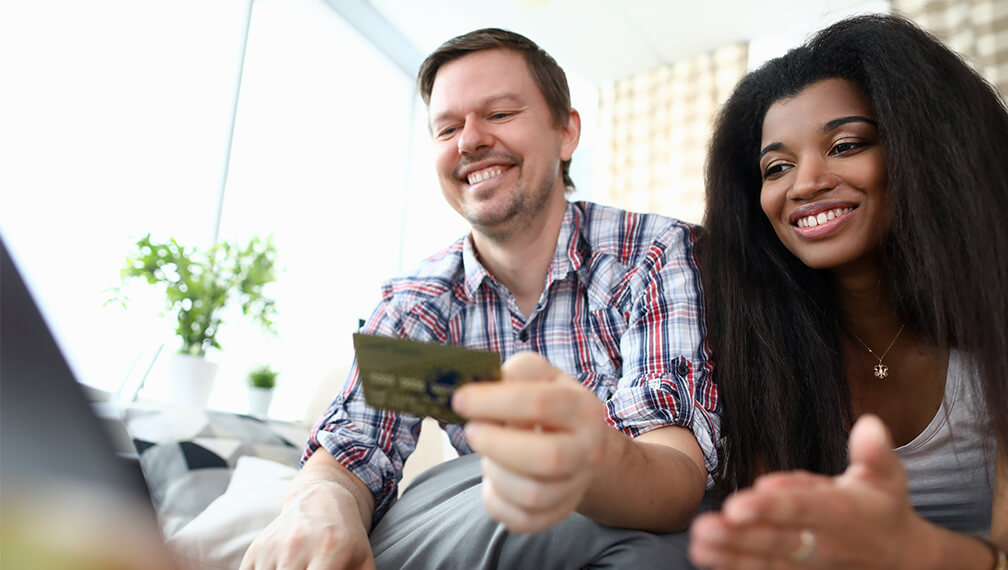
{"points": [[881, 371]]}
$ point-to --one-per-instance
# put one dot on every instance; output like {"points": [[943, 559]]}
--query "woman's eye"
{"points": [[842, 147], [775, 170]]}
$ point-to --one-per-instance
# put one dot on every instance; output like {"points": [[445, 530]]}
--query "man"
{"points": [[600, 437]]}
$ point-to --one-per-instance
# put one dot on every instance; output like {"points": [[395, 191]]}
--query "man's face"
{"points": [[497, 149]]}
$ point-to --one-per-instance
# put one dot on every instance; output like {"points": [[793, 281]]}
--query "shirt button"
{"points": [[523, 336]]}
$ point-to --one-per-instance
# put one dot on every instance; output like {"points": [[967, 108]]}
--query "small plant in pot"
{"points": [[262, 377], [198, 285], [261, 381]]}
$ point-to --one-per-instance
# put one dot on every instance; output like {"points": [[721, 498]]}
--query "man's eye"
{"points": [[446, 132], [501, 115]]}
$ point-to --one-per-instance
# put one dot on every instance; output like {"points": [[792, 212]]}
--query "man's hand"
{"points": [[542, 436], [860, 519], [320, 525]]}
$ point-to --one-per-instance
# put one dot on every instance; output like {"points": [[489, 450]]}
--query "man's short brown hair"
{"points": [[548, 76]]}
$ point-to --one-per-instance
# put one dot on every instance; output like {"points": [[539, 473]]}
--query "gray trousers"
{"points": [[440, 522]]}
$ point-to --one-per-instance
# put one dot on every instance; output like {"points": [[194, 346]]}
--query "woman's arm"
{"points": [[860, 519], [999, 516]]}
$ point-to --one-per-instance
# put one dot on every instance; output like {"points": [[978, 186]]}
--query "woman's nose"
{"points": [[812, 176]]}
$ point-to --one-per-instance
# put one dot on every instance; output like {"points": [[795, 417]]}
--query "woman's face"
{"points": [[824, 175]]}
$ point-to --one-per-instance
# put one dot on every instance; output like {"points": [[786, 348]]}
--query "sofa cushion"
{"points": [[218, 537], [188, 455]]}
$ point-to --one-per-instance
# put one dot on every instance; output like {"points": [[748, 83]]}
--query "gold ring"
{"points": [[807, 546]]}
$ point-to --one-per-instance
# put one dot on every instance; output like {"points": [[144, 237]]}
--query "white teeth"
{"points": [[822, 217], [486, 174]]}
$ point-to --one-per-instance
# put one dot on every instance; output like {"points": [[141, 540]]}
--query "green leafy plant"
{"points": [[262, 377], [200, 283]]}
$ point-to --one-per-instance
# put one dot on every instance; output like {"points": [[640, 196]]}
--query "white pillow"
{"points": [[188, 455], [218, 537]]}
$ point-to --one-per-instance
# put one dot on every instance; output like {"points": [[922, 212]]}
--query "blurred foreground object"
{"points": [[69, 501]]}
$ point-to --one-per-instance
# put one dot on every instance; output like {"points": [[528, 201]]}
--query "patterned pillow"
{"points": [[188, 455]]}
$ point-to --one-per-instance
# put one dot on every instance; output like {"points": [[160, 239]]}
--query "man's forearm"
{"points": [[323, 522], [654, 482], [322, 469]]}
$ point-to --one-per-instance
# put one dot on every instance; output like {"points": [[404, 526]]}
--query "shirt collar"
{"points": [[475, 273], [571, 248], [568, 256]]}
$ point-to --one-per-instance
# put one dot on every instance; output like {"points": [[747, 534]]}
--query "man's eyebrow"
{"points": [[501, 97], [830, 125], [484, 102]]}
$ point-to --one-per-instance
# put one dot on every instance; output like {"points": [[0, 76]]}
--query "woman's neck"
{"points": [[864, 304], [891, 372]]}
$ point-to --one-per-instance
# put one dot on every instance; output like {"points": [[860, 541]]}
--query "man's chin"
{"points": [[494, 223], [490, 224]]}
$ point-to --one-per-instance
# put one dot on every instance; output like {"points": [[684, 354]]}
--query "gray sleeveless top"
{"points": [[950, 465]]}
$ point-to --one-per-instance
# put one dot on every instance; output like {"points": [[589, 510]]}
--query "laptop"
{"points": [[69, 501]]}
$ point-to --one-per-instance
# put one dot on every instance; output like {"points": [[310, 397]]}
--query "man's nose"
{"points": [[474, 137], [812, 176]]}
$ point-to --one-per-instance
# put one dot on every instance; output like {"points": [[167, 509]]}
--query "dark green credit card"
{"points": [[419, 378]]}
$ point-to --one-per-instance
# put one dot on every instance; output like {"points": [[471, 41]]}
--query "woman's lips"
{"points": [[823, 222]]}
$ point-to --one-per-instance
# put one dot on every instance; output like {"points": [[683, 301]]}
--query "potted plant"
{"points": [[261, 381], [198, 285]]}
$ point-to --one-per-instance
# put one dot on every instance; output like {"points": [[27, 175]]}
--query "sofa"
{"points": [[216, 478]]}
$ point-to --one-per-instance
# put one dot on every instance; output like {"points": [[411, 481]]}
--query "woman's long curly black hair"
{"points": [[773, 322]]}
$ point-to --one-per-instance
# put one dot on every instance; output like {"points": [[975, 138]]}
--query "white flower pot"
{"points": [[190, 379], [259, 401]]}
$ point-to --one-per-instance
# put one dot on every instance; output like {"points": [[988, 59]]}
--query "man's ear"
{"points": [[571, 135]]}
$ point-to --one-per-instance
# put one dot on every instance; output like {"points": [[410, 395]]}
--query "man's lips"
{"points": [[485, 174], [476, 169]]}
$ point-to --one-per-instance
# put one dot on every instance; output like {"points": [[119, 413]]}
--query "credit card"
{"points": [[419, 378]]}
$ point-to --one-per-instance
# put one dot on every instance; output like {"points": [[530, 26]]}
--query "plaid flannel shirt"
{"points": [[622, 312]]}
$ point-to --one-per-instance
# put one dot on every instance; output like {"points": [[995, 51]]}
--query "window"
{"points": [[118, 127], [115, 116]]}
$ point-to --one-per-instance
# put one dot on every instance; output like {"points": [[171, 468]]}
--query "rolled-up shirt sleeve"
{"points": [[372, 444], [667, 372]]}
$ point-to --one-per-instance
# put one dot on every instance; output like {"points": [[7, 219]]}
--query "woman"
{"points": [[856, 266]]}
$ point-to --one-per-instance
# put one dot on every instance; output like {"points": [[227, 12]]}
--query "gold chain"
{"points": [[881, 370]]}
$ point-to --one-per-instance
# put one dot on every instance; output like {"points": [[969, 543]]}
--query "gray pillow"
{"points": [[188, 455]]}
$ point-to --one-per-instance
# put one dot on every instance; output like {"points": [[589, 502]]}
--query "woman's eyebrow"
{"points": [[827, 127], [770, 148], [831, 125]]}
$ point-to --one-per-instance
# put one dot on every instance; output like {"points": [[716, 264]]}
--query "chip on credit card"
{"points": [[419, 378]]}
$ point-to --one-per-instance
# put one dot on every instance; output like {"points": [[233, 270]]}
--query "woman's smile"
{"points": [[824, 177]]}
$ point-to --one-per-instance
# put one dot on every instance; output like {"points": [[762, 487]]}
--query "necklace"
{"points": [[881, 370]]}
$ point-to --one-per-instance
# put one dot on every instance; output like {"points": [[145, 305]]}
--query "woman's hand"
{"points": [[860, 519]]}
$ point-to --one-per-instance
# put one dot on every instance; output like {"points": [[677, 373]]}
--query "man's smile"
{"points": [[485, 174]]}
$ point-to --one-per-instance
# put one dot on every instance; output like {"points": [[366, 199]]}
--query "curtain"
{"points": [[654, 129], [976, 29]]}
